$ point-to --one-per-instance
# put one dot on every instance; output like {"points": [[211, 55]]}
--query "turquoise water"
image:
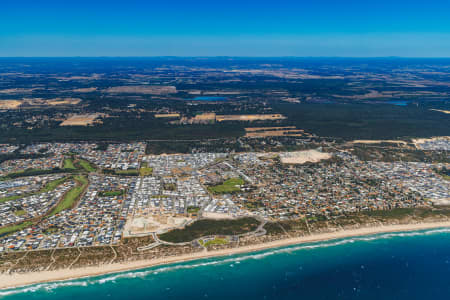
{"points": [[210, 98], [413, 265], [399, 102]]}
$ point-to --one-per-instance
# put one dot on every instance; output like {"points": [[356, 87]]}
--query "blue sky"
{"points": [[231, 28]]}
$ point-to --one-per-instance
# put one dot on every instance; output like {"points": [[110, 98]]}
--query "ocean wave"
{"points": [[48, 287]]}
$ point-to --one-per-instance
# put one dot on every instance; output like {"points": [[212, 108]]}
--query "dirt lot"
{"points": [[174, 115], [301, 157], [10, 104], [80, 120], [63, 101], [221, 118]]}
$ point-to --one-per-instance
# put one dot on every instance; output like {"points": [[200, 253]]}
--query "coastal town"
{"points": [[74, 195]]}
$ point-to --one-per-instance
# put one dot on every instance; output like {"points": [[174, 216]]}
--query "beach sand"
{"points": [[16, 280]]}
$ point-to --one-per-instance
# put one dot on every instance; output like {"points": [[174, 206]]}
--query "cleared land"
{"points": [[85, 90], [221, 118], [154, 223], [80, 120], [10, 104], [174, 115], [301, 157], [63, 101]]}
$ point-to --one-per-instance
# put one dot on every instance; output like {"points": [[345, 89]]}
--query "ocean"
{"points": [[409, 265]]}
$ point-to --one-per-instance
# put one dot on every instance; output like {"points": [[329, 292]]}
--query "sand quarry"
{"points": [[148, 224], [301, 157]]}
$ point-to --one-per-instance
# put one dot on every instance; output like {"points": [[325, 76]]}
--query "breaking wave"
{"points": [[235, 259]]}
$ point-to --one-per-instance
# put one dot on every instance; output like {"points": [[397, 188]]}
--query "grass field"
{"points": [[20, 212], [71, 196], [216, 241], [14, 228], [86, 165], [68, 164], [229, 186], [193, 209], [10, 198], [144, 171], [53, 184]]}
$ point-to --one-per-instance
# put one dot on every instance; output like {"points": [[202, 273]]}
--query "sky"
{"points": [[344, 28]]}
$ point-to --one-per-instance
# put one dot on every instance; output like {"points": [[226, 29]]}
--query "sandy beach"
{"points": [[16, 280]]}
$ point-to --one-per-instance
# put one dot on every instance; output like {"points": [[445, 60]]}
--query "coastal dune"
{"points": [[22, 279]]}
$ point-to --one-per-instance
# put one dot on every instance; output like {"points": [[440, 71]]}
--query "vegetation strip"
{"points": [[208, 227], [227, 187], [71, 196]]}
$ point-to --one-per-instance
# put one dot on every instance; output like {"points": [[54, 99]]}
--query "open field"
{"points": [[229, 186], [87, 166], [14, 228], [80, 120], [10, 104], [71, 196], [301, 157], [173, 115], [63, 101], [268, 117], [216, 241], [68, 164], [155, 223], [145, 171], [111, 193]]}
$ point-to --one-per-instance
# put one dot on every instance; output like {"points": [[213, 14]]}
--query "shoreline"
{"points": [[24, 279]]}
